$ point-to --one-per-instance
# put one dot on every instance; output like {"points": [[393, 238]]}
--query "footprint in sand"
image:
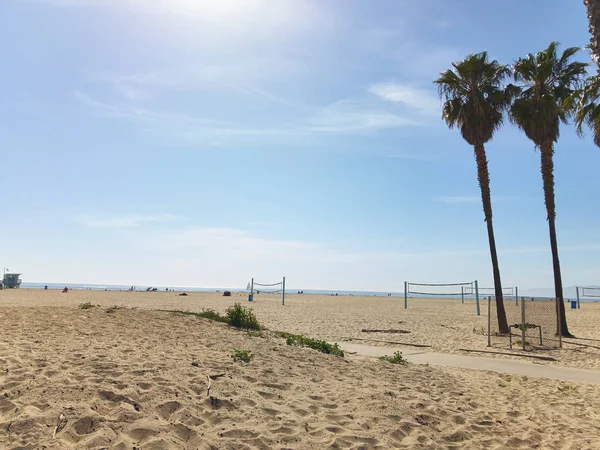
{"points": [[86, 425], [166, 410]]}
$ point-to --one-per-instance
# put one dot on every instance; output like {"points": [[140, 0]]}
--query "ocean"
{"points": [[116, 287]]}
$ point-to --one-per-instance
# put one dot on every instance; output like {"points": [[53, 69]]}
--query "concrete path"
{"points": [[508, 366]]}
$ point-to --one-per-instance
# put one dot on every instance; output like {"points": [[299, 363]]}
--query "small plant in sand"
{"points": [[396, 359], [316, 344], [567, 388], [241, 317], [256, 333], [242, 355], [209, 314], [87, 305], [114, 308]]}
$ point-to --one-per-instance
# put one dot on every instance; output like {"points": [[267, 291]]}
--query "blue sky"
{"points": [[197, 143]]}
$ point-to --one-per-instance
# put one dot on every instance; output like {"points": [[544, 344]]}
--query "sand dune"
{"points": [[445, 324], [137, 379]]}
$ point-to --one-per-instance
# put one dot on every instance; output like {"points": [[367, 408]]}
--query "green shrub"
{"points": [[237, 316], [87, 305], [209, 314], [316, 344], [242, 355], [114, 308], [241, 317], [396, 359]]}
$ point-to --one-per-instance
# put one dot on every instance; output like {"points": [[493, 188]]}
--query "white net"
{"points": [[506, 291], [438, 289], [590, 292]]}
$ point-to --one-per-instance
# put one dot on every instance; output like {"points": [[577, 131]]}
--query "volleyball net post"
{"points": [[267, 288], [587, 292]]}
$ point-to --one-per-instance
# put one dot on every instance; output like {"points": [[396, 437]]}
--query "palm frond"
{"points": [[474, 97], [548, 92]]}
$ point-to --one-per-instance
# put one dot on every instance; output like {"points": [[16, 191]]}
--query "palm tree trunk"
{"points": [[483, 175], [593, 13], [547, 153]]}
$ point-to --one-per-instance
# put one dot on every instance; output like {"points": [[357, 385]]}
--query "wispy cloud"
{"points": [[176, 125], [414, 97], [343, 117], [356, 116], [246, 75], [127, 221]]}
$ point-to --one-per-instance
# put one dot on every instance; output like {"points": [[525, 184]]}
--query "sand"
{"points": [[136, 378]]}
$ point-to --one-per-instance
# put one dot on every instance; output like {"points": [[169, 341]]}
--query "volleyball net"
{"points": [[586, 292], [458, 290], [266, 288]]}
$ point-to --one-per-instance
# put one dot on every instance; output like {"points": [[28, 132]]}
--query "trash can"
{"points": [[250, 297], [573, 304]]}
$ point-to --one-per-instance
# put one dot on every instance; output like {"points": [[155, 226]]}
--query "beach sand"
{"points": [[137, 378]]}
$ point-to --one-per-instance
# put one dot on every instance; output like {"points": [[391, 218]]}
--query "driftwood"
{"points": [[581, 345], [585, 339], [61, 422], [364, 330], [543, 358], [388, 342]]}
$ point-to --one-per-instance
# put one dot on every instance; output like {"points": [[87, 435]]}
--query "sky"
{"points": [[201, 143]]}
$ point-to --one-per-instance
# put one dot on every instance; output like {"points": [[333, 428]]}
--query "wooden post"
{"points": [[523, 322], [489, 321], [405, 294], [578, 304], [252, 291], [517, 295], [477, 297], [462, 294]]}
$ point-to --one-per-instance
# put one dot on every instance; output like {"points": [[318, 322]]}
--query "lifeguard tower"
{"points": [[11, 280]]}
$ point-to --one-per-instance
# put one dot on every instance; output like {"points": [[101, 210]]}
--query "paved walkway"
{"points": [[509, 366]]}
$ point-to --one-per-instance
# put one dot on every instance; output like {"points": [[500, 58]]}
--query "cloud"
{"points": [[128, 221], [343, 117], [347, 116], [176, 125], [413, 97]]}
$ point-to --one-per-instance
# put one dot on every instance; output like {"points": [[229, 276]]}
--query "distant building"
{"points": [[11, 280]]}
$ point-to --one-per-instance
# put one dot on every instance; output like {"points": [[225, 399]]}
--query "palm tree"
{"points": [[547, 83], [475, 102], [593, 13], [587, 103]]}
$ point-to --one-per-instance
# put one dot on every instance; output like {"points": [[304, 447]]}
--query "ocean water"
{"points": [[115, 287]]}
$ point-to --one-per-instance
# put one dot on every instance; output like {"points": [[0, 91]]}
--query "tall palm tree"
{"points": [[593, 13], [475, 102], [547, 82]]}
